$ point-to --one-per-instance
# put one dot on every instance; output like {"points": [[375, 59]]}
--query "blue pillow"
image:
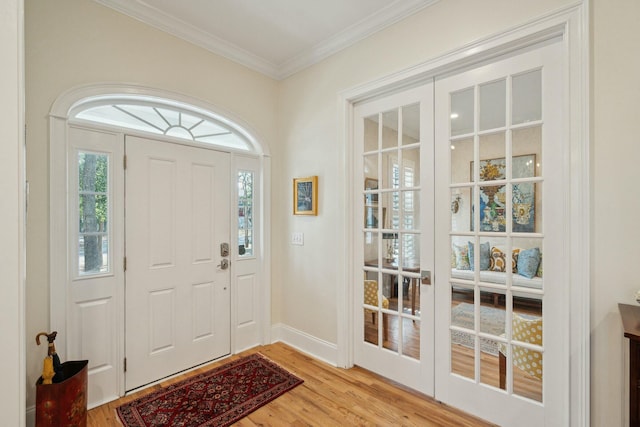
{"points": [[528, 262], [485, 255]]}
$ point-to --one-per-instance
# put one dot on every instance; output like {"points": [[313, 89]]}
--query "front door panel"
{"points": [[177, 291]]}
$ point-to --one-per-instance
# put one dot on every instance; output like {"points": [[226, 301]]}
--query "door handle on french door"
{"points": [[224, 264], [425, 276]]}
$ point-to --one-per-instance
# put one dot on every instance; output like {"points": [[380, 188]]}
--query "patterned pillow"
{"points": [[528, 262], [485, 255], [529, 331], [501, 251], [462, 257], [514, 259], [539, 272], [497, 261]]}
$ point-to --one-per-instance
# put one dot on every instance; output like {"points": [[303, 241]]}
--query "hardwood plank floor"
{"points": [[329, 397]]}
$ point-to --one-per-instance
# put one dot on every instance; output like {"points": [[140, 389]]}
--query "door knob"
{"points": [[224, 264]]}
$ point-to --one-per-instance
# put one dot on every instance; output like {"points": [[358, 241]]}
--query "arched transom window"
{"points": [[161, 118]]}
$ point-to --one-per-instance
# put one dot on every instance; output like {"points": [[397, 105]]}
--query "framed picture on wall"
{"points": [[370, 184], [493, 197], [371, 217], [305, 196]]}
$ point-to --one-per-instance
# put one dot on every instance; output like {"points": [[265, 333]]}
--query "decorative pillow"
{"points": [[462, 257], [514, 259], [497, 261], [528, 262], [539, 272], [485, 255]]}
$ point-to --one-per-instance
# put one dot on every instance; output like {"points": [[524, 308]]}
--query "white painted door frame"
{"points": [[571, 25]]}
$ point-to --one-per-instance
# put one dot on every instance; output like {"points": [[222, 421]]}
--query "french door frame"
{"points": [[569, 27]]}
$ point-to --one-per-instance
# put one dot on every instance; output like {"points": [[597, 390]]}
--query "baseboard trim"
{"points": [[313, 346], [30, 420]]}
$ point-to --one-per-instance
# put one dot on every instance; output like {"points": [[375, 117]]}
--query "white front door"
{"points": [[465, 178], [177, 286], [394, 310]]}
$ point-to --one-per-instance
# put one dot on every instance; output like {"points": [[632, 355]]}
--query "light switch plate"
{"points": [[297, 239]]}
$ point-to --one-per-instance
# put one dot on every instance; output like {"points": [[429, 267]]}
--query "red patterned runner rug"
{"points": [[218, 397]]}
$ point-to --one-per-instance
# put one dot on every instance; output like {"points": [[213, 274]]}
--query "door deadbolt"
{"points": [[224, 249]]}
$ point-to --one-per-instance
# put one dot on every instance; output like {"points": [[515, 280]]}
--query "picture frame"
{"points": [[492, 198], [370, 184], [371, 219], [305, 196]]}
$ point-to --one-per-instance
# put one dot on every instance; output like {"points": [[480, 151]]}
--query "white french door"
{"points": [[500, 185], [177, 285], [394, 310], [465, 178]]}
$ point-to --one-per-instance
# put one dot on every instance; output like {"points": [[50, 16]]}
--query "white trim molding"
{"points": [[319, 349], [570, 26], [389, 15], [13, 213]]}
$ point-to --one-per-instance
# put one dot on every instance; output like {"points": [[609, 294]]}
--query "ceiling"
{"points": [[275, 37]]}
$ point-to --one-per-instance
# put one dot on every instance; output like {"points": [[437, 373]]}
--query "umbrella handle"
{"points": [[50, 337]]}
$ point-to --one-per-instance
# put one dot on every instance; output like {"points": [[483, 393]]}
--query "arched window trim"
{"points": [[139, 124], [67, 105]]}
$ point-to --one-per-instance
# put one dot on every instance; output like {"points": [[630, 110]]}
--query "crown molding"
{"points": [[164, 22], [385, 17], [378, 21]]}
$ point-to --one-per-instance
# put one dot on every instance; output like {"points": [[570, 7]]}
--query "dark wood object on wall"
{"points": [[631, 324]]}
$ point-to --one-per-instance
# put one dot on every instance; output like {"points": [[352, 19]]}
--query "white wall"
{"points": [[77, 42], [305, 286], [71, 42], [615, 202], [12, 393]]}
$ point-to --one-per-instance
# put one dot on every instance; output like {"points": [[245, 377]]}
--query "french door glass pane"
{"points": [[371, 134], [462, 112], [493, 106], [460, 209], [411, 338], [391, 162], [463, 354], [528, 141], [390, 129], [462, 161], [411, 124], [492, 152], [496, 274], [527, 97], [410, 173]]}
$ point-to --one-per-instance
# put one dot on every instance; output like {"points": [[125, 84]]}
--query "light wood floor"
{"points": [[462, 358], [329, 397]]}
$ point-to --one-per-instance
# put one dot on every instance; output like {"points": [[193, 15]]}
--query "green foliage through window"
{"points": [[93, 213]]}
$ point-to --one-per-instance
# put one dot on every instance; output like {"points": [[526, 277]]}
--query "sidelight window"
{"points": [[93, 213]]}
